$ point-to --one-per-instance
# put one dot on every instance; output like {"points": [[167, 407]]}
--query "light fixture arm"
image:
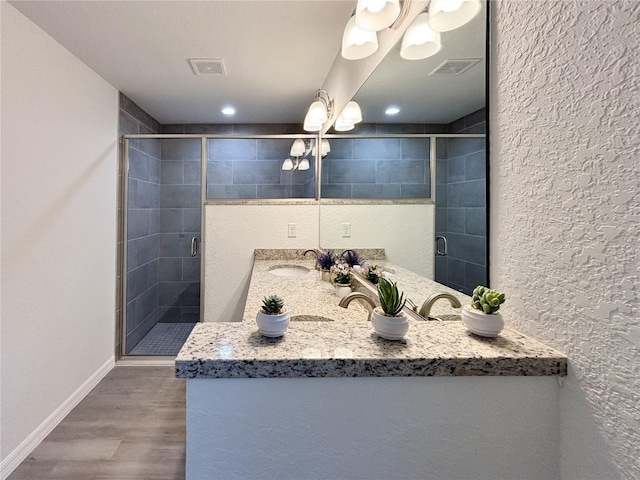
{"points": [[323, 96]]}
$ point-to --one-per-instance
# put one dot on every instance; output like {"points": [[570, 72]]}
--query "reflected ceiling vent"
{"points": [[455, 67], [210, 67]]}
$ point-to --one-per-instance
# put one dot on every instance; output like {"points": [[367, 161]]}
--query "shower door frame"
{"points": [[125, 204]]}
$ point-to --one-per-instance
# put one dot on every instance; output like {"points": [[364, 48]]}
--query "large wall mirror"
{"points": [[402, 181]]}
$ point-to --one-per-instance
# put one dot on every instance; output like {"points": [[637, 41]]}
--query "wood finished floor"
{"points": [[130, 427]]}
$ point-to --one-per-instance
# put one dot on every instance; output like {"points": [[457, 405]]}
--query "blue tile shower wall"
{"points": [[143, 222], [180, 213], [461, 213], [387, 168]]}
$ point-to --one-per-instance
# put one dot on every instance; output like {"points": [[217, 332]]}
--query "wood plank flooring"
{"points": [[130, 427]]}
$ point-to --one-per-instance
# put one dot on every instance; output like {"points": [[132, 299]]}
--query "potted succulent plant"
{"points": [[389, 320], [341, 273], [272, 319], [482, 316], [326, 260]]}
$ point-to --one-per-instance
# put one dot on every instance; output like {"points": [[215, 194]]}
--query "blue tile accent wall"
{"points": [[252, 168], [461, 214], [381, 168], [143, 223], [180, 213]]}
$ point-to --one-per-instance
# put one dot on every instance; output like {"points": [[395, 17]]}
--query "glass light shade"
{"points": [[316, 116], [358, 43], [420, 41], [343, 125], [325, 148], [304, 164], [375, 15], [287, 164], [446, 15], [352, 112], [298, 148]]}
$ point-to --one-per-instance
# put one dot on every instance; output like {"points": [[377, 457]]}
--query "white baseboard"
{"points": [[22, 451]]}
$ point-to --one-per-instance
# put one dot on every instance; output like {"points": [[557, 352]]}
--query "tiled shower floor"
{"points": [[164, 339]]}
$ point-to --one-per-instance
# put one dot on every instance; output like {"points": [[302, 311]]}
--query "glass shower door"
{"points": [[163, 235], [461, 213]]}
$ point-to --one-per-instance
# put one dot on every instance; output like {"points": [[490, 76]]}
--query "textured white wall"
{"points": [[406, 232], [233, 232], [565, 211], [59, 171]]}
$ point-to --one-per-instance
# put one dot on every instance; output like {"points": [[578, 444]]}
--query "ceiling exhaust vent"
{"points": [[207, 66], [455, 67]]}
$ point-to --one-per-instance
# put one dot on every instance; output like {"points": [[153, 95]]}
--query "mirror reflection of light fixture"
{"points": [[446, 15], [325, 148], [358, 43], [298, 148], [304, 164], [375, 15], [420, 41], [350, 115], [287, 164], [319, 112]]}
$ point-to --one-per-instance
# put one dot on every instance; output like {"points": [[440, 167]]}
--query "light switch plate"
{"points": [[292, 230], [346, 230]]}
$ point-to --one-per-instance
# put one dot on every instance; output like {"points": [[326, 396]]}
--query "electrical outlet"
{"points": [[346, 230], [292, 230]]}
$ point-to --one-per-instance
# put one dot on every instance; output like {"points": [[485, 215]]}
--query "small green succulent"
{"points": [[272, 304], [486, 300], [391, 301]]}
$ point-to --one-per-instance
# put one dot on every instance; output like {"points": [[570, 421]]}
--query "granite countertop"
{"points": [[347, 346]]}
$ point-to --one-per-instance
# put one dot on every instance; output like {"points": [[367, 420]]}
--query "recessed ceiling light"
{"points": [[392, 110], [228, 110]]}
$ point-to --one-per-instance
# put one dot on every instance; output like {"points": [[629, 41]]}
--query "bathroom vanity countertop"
{"points": [[348, 346]]}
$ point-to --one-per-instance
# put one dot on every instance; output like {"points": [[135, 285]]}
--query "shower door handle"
{"points": [[194, 246], [441, 241]]}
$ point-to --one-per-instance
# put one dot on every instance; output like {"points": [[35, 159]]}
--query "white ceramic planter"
{"points": [[340, 290], [390, 328], [480, 323], [273, 325]]}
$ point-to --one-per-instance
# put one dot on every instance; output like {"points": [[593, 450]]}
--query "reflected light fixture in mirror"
{"points": [[420, 41], [298, 148], [350, 115], [325, 148], [287, 164], [358, 43], [446, 15], [376, 15]]}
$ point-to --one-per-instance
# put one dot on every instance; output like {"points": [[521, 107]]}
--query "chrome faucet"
{"points": [[317, 267], [428, 303], [370, 304]]}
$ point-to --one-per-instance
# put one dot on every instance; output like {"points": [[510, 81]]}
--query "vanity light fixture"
{"points": [[446, 15], [304, 164], [376, 15], [298, 148], [422, 38], [319, 112], [420, 41], [325, 148], [358, 43], [350, 115], [287, 164]]}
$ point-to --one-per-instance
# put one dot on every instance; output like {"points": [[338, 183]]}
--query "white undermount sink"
{"points": [[289, 270]]}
